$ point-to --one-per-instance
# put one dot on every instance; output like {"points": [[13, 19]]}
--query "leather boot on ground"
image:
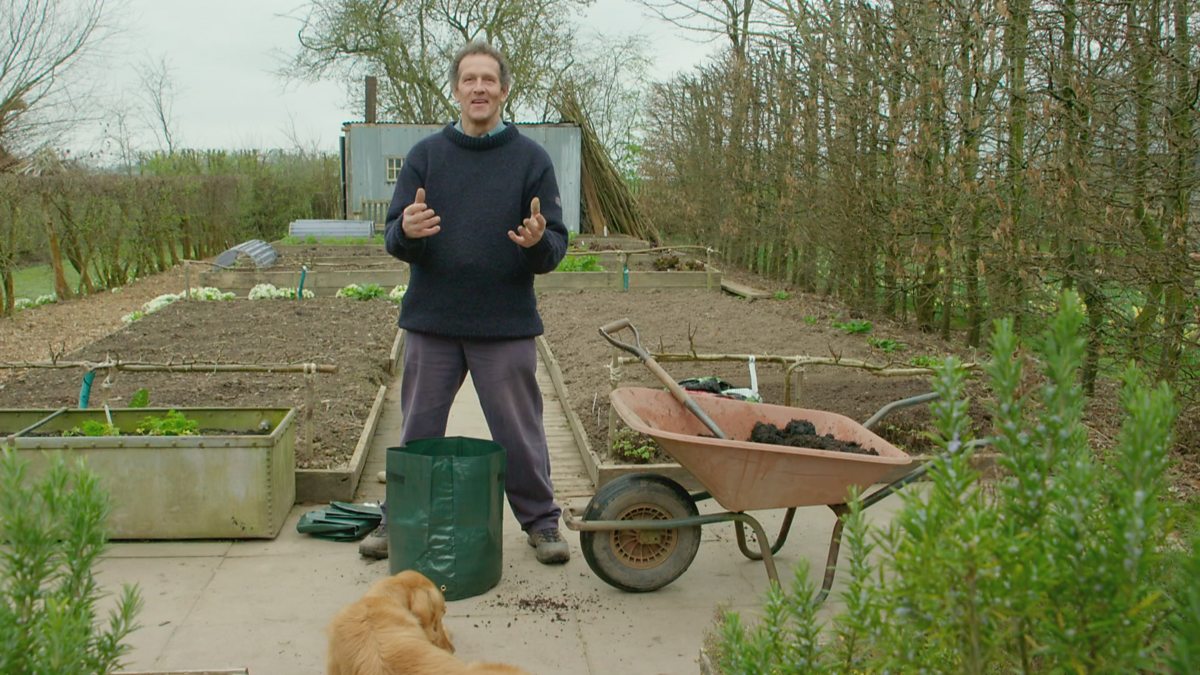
{"points": [[550, 548], [375, 545]]}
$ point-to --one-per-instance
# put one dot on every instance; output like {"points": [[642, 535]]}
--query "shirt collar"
{"points": [[495, 130]]}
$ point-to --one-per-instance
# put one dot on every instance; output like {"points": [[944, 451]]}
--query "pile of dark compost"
{"points": [[802, 434]]}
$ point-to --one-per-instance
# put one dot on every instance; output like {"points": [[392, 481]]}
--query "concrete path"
{"points": [[262, 606]]}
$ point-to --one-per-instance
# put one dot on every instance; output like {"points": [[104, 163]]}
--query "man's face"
{"points": [[478, 91]]}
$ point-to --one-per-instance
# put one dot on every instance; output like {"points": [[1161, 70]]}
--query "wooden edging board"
{"points": [[743, 290], [599, 471], [613, 280], [611, 472], [394, 362], [319, 486], [560, 389]]}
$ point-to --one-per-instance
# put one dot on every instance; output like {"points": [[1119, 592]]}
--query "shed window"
{"points": [[393, 168]]}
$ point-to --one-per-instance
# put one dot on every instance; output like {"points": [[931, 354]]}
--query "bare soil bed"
{"points": [[355, 336], [323, 258]]}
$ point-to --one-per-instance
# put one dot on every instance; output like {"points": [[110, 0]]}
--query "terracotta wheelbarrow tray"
{"points": [[641, 531]]}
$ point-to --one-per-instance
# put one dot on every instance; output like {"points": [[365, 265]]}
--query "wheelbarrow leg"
{"points": [[783, 533], [835, 540], [765, 553], [835, 547]]}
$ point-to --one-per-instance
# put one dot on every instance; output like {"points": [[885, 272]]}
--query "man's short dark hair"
{"points": [[480, 47]]}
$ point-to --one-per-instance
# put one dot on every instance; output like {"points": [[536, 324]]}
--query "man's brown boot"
{"points": [[550, 547], [375, 546]]}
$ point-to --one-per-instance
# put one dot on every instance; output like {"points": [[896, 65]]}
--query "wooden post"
{"points": [[799, 386], [614, 376], [310, 402]]}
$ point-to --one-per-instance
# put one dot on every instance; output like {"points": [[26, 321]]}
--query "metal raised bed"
{"points": [[236, 480]]}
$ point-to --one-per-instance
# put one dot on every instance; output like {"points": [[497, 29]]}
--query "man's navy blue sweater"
{"points": [[470, 280]]}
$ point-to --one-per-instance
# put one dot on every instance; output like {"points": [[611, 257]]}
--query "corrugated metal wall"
{"points": [[563, 142], [367, 146]]}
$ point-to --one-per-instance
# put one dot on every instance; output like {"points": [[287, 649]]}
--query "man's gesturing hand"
{"points": [[531, 231], [419, 219]]}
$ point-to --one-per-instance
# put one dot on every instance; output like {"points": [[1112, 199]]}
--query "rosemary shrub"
{"points": [[51, 536], [1060, 568]]}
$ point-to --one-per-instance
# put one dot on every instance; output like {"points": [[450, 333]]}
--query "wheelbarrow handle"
{"points": [[896, 405], [636, 349], [677, 391]]}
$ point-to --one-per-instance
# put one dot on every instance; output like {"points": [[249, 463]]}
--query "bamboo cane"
{"points": [[140, 366], [880, 370], [607, 199]]}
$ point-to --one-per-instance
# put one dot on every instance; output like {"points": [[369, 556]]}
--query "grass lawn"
{"points": [[31, 282]]}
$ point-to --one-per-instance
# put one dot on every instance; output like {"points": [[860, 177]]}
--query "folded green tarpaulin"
{"points": [[367, 510], [320, 525], [341, 521]]}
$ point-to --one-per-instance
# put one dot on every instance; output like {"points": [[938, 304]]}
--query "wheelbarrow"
{"points": [[641, 531]]}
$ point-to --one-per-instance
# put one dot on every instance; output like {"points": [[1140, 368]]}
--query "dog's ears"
{"points": [[421, 602]]}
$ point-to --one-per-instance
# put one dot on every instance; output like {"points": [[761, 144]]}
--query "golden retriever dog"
{"points": [[396, 629]]}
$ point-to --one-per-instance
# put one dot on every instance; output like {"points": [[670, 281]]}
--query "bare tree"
{"points": [[158, 93], [41, 42], [610, 78], [301, 146], [407, 44], [117, 141], [735, 20]]}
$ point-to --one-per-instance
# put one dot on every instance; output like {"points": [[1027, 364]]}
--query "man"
{"points": [[475, 214]]}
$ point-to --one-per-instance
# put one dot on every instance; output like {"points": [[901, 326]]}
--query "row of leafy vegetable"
{"points": [[265, 292]]}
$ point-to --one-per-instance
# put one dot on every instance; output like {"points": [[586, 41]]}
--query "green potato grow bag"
{"points": [[445, 512]]}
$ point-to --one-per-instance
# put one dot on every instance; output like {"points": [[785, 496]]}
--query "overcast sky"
{"points": [[222, 56]]}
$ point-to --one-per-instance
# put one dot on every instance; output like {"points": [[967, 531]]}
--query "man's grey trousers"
{"points": [[505, 377]]}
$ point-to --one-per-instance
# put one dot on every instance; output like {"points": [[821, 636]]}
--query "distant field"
{"points": [[31, 282]]}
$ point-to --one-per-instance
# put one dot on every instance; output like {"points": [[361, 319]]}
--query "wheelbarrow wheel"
{"points": [[640, 560]]}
